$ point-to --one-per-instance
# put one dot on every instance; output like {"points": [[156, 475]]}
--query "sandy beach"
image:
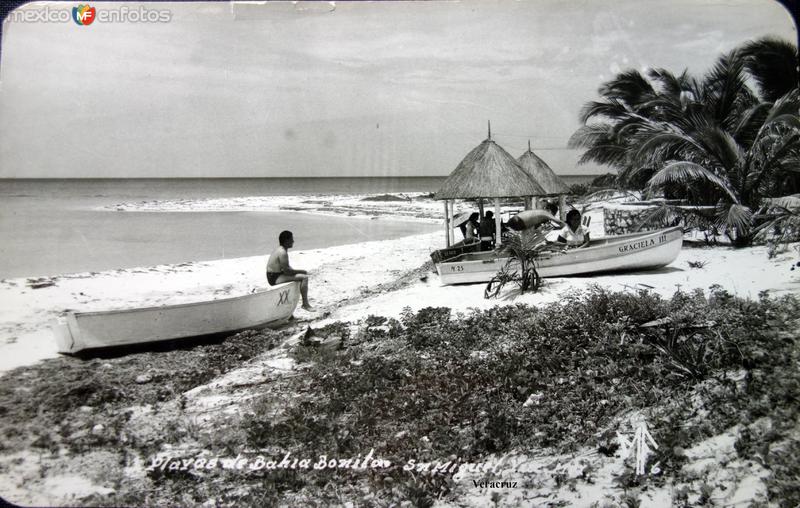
{"points": [[341, 272], [351, 282]]}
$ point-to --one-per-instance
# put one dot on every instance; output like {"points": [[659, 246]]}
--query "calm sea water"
{"points": [[50, 227]]}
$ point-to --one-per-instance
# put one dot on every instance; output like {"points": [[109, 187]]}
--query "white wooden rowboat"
{"points": [[78, 331], [635, 251]]}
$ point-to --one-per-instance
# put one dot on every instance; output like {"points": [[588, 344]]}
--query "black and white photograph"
{"points": [[474, 253]]}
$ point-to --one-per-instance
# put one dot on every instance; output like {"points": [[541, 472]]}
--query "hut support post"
{"points": [[562, 207], [480, 209], [528, 201], [450, 229], [497, 220], [446, 224]]}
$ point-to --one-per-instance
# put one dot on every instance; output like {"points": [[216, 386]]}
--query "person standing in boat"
{"points": [[470, 228], [574, 234], [279, 270], [486, 231]]}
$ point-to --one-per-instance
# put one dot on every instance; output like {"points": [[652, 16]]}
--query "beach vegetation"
{"points": [[460, 386], [714, 140], [436, 386], [696, 264], [59, 402], [520, 268]]}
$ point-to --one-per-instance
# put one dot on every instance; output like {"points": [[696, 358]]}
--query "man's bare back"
{"points": [[279, 270], [278, 260]]}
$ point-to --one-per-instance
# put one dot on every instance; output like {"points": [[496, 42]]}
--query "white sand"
{"points": [[339, 273], [743, 272], [342, 277]]}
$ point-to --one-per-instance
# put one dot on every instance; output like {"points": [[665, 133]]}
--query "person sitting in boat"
{"points": [[552, 208], [279, 270], [574, 234]]}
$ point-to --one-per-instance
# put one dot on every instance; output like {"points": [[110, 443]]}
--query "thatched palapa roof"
{"points": [[488, 171], [541, 172]]}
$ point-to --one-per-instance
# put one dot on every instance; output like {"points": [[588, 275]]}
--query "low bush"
{"points": [[518, 377]]}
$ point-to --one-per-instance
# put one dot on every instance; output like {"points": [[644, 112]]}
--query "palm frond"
{"points": [[590, 135], [781, 215], [684, 173], [660, 146], [725, 85], [778, 152], [660, 216], [635, 176], [773, 65], [721, 146], [670, 84], [789, 165], [734, 216], [783, 204], [629, 87], [666, 214], [785, 109], [612, 109], [750, 123], [606, 194], [611, 154]]}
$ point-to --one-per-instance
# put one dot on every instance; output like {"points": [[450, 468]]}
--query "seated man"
{"points": [[574, 234], [279, 271]]}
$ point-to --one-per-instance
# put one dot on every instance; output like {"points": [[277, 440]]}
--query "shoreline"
{"points": [[340, 273], [94, 236], [24, 319], [348, 281], [415, 206]]}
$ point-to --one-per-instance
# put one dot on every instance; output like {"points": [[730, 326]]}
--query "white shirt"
{"points": [[573, 238], [470, 231]]}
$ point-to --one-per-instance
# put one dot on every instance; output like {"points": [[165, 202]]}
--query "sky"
{"points": [[250, 89]]}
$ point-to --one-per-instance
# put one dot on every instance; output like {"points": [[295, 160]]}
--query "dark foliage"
{"points": [[442, 387]]}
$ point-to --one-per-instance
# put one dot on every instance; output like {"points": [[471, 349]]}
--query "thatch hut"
{"points": [[538, 169], [488, 171], [552, 184]]}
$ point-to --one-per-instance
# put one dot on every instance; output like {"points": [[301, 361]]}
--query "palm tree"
{"points": [[773, 65], [672, 132]]}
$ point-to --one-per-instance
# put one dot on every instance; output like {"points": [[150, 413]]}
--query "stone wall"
{"points": [[618, 221]]}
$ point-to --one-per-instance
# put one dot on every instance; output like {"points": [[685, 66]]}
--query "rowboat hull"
{"points": [[636, 251], [79, 331], [462, 247]]}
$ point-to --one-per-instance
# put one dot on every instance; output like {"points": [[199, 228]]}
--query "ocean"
{"points": [[51, 227]]}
